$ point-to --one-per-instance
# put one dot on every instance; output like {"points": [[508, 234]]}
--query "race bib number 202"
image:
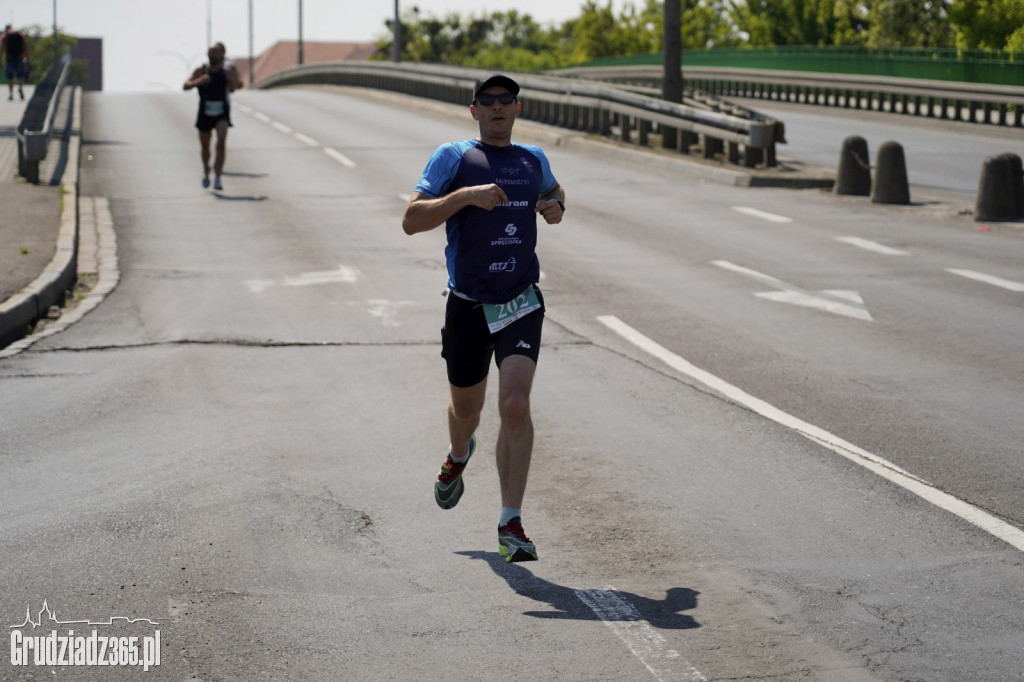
{"points": [[501, 315]]}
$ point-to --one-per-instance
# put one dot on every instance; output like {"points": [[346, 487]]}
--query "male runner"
{"points": [[215, 80], [15, 51], [489, 191]]}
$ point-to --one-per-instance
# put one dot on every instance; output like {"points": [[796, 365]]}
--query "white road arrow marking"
{"points": [[836, 301], [988, 279], [343, 275]]}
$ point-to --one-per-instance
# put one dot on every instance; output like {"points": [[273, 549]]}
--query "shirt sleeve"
{"points": [[440, 171], [548, 181]]}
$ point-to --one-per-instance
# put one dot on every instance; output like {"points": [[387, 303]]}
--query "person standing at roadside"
{"points": [[488, 192], [214, 80], [15, 51]]}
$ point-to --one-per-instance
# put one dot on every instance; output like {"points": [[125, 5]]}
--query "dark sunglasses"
{"points": [[488, 100]]}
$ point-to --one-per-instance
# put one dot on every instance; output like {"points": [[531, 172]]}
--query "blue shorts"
{"points": [[467, 345], [18, 69]]}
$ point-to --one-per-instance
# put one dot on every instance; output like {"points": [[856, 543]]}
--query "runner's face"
{"points": [[215, 55], [495, 119]]}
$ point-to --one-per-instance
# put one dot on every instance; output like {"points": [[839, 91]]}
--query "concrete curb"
{"points": [[24, 309]]}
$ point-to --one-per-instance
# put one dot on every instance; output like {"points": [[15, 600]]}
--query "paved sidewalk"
{"points": [[34, 231]]}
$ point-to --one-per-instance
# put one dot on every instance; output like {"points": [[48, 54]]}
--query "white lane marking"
{"points": [[244, 108], [887, 470], [836, 301], [386, 311], [259, 116], [988, 279], [764, 215], [643, 640], [339, 157], [343, 275], [306, 139], [869, 245], [282, 127], [404, 198]]}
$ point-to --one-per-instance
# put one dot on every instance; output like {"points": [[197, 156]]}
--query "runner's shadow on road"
{"points": [[238, 197], [603, 604], [239, 174]]}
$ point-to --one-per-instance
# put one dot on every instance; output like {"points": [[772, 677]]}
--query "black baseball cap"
{"points": [[495, 79]]}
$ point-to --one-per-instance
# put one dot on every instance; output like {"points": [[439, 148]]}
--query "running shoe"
{"points": [[206, 181], [216, 183], [449, 486], [513, 543]]}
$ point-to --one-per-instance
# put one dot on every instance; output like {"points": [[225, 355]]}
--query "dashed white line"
{"points": [[306, 139], [764, 215], [988, 279], [259, 116], [282, 127], [339, 157], [887, 470], [869, 245]]}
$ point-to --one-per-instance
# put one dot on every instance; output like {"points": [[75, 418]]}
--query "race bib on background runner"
{"points": [[213, 108]]}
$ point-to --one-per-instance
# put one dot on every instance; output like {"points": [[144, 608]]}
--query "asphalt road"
{"points": [[239, 443]]}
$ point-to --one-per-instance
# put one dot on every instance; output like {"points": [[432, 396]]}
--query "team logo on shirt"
{"points": [[511, 239], [511, 171], [504, 266]]}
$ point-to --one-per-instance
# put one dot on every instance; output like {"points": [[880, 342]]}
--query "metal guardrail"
{"points": [[589, 106], [950, 100], [36, 125]]}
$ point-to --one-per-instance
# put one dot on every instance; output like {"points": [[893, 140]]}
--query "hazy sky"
{"points": [[146, 43]]}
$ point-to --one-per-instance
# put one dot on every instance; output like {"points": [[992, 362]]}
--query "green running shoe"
{"points": [[513, 543], [449, 486]]}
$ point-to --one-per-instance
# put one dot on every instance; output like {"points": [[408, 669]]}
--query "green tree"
{"points": [[909, 23], [40, 51], [786, 22], [986, 24]]}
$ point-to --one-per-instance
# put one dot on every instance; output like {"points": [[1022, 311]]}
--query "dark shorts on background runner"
{"points": [[467, 345], [17, 69], [206, 123]]}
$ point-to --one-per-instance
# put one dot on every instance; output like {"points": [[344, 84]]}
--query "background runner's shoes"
{"points": [[216, 183], [449, 486], [206, 181], [513, 543]]}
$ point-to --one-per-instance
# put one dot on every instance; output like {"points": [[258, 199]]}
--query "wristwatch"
{"points": [[560, 205]]}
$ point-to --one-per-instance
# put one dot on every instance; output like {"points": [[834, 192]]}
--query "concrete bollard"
{"points": [[891, 185], [854, 176], [1000, 189]]}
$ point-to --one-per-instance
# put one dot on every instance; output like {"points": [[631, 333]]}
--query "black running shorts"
{"points": [[467, 345]]}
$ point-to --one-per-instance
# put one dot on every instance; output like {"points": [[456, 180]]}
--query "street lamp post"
{"points": [[396, 28], [54, 32], [300, 32], [251, 58]]}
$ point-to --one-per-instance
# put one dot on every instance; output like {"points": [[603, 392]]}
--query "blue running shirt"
{"points": [[491, 254]]}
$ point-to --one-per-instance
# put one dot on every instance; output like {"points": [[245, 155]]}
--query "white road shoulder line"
{"points": [[259, 116], [282, 127], [869, 245], [643, 640], [887, 470], [764, 215], [339, 157], [988, 279]]}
